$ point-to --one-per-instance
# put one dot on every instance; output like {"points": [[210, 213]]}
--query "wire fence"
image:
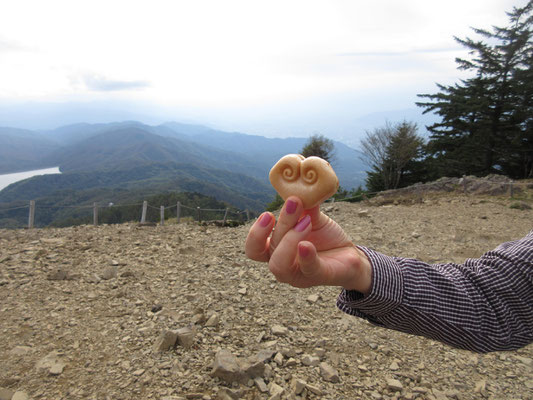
{"points": [[150, 214], [116, 213]]}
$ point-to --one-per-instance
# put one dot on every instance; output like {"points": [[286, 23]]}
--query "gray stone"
{"points": [[261, 385], [166, 341], [52, 363], [394, 384], [298, 385], [213, 320], [186, 337], [313, 298], [310, 361], [6, 394], [57, 275], [264, 355], [21, 350], [329, 373], [227, 394], [252, 368], [57, 368], [394, 366], [109, 273], [279, 330], [275, 391], [19, 395], [227, 367]]}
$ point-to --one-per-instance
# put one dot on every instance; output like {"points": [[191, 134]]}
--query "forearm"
{"points": [[485, 304]]}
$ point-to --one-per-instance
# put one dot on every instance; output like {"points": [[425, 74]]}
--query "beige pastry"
{"points": [[312, 179]]}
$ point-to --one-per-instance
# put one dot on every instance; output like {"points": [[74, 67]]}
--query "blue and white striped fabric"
{"points": [[485, 304]]}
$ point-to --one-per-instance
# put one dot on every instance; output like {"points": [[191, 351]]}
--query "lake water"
{"points": [[8, 179]]}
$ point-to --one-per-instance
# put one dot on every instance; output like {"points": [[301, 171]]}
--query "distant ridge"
{"points": [[127, 160]]}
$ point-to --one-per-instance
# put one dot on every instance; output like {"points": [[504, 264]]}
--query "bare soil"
{"points": [[82, 308]]}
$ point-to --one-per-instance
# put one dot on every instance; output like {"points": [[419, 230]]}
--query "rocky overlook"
{"points": [[178, 312]]}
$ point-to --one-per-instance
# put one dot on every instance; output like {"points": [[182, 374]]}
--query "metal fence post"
{"points": [[95, 213], [31, 216], [162, 215], [178, 213], [143, 215], [225, 216]]}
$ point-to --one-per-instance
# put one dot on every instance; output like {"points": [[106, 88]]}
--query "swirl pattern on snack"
{"points": [[312, 179]]}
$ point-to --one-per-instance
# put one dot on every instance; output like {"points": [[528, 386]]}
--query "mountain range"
{"points": [[132, 156]]}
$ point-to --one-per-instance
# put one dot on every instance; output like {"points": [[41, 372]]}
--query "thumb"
{"points": [[310, 263]]}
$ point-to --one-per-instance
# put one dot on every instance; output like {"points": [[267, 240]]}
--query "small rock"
{"points": [[213, 320], [109, 273], [21, 350], [394, 385], [278, 330], [166, 341], [227, 368], [242, 291], [264, 355], [291, 362], [298, 385], [525, 360], [329, 373], [6, 394], [275, 391], [52, 363], [313, 298], [57, 368], [185, 337], [394, 366], [310, 361], [314, 389], [363, 213], [362, 368], [227, 394], [156, 308], [19, 395], [278, 358], [261, 385], [138, 372], [57, 275], [481, 386]]}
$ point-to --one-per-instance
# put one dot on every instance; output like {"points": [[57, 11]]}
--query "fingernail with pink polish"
{"points": [[304, 223], [265, 220], [291, 206]]}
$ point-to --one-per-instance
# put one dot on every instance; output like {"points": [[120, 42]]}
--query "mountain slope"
{"points": [[237, 189], [264, 151], [23, 150], [134, 145]]}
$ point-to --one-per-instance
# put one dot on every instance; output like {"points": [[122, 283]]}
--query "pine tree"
{"points": [[486, 120]]}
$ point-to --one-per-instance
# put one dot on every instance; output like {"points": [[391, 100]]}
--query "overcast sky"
{"points": [[236, 57]]}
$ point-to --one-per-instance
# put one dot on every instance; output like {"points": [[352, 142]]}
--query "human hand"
{"points": [[308, 248]]}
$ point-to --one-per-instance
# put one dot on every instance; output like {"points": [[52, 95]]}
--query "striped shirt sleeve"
{"points": [[483, 305]]}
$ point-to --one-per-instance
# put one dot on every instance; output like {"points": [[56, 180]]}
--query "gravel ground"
{"points": [[178, 312]]}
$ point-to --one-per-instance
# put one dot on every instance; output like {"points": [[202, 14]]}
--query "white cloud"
{"points": [[232, 52]]}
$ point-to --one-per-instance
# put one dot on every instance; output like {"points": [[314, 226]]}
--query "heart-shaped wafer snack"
{"points": [[312, 179]]}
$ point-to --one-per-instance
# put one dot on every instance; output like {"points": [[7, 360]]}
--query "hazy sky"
{"points": [[232, 57]]}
